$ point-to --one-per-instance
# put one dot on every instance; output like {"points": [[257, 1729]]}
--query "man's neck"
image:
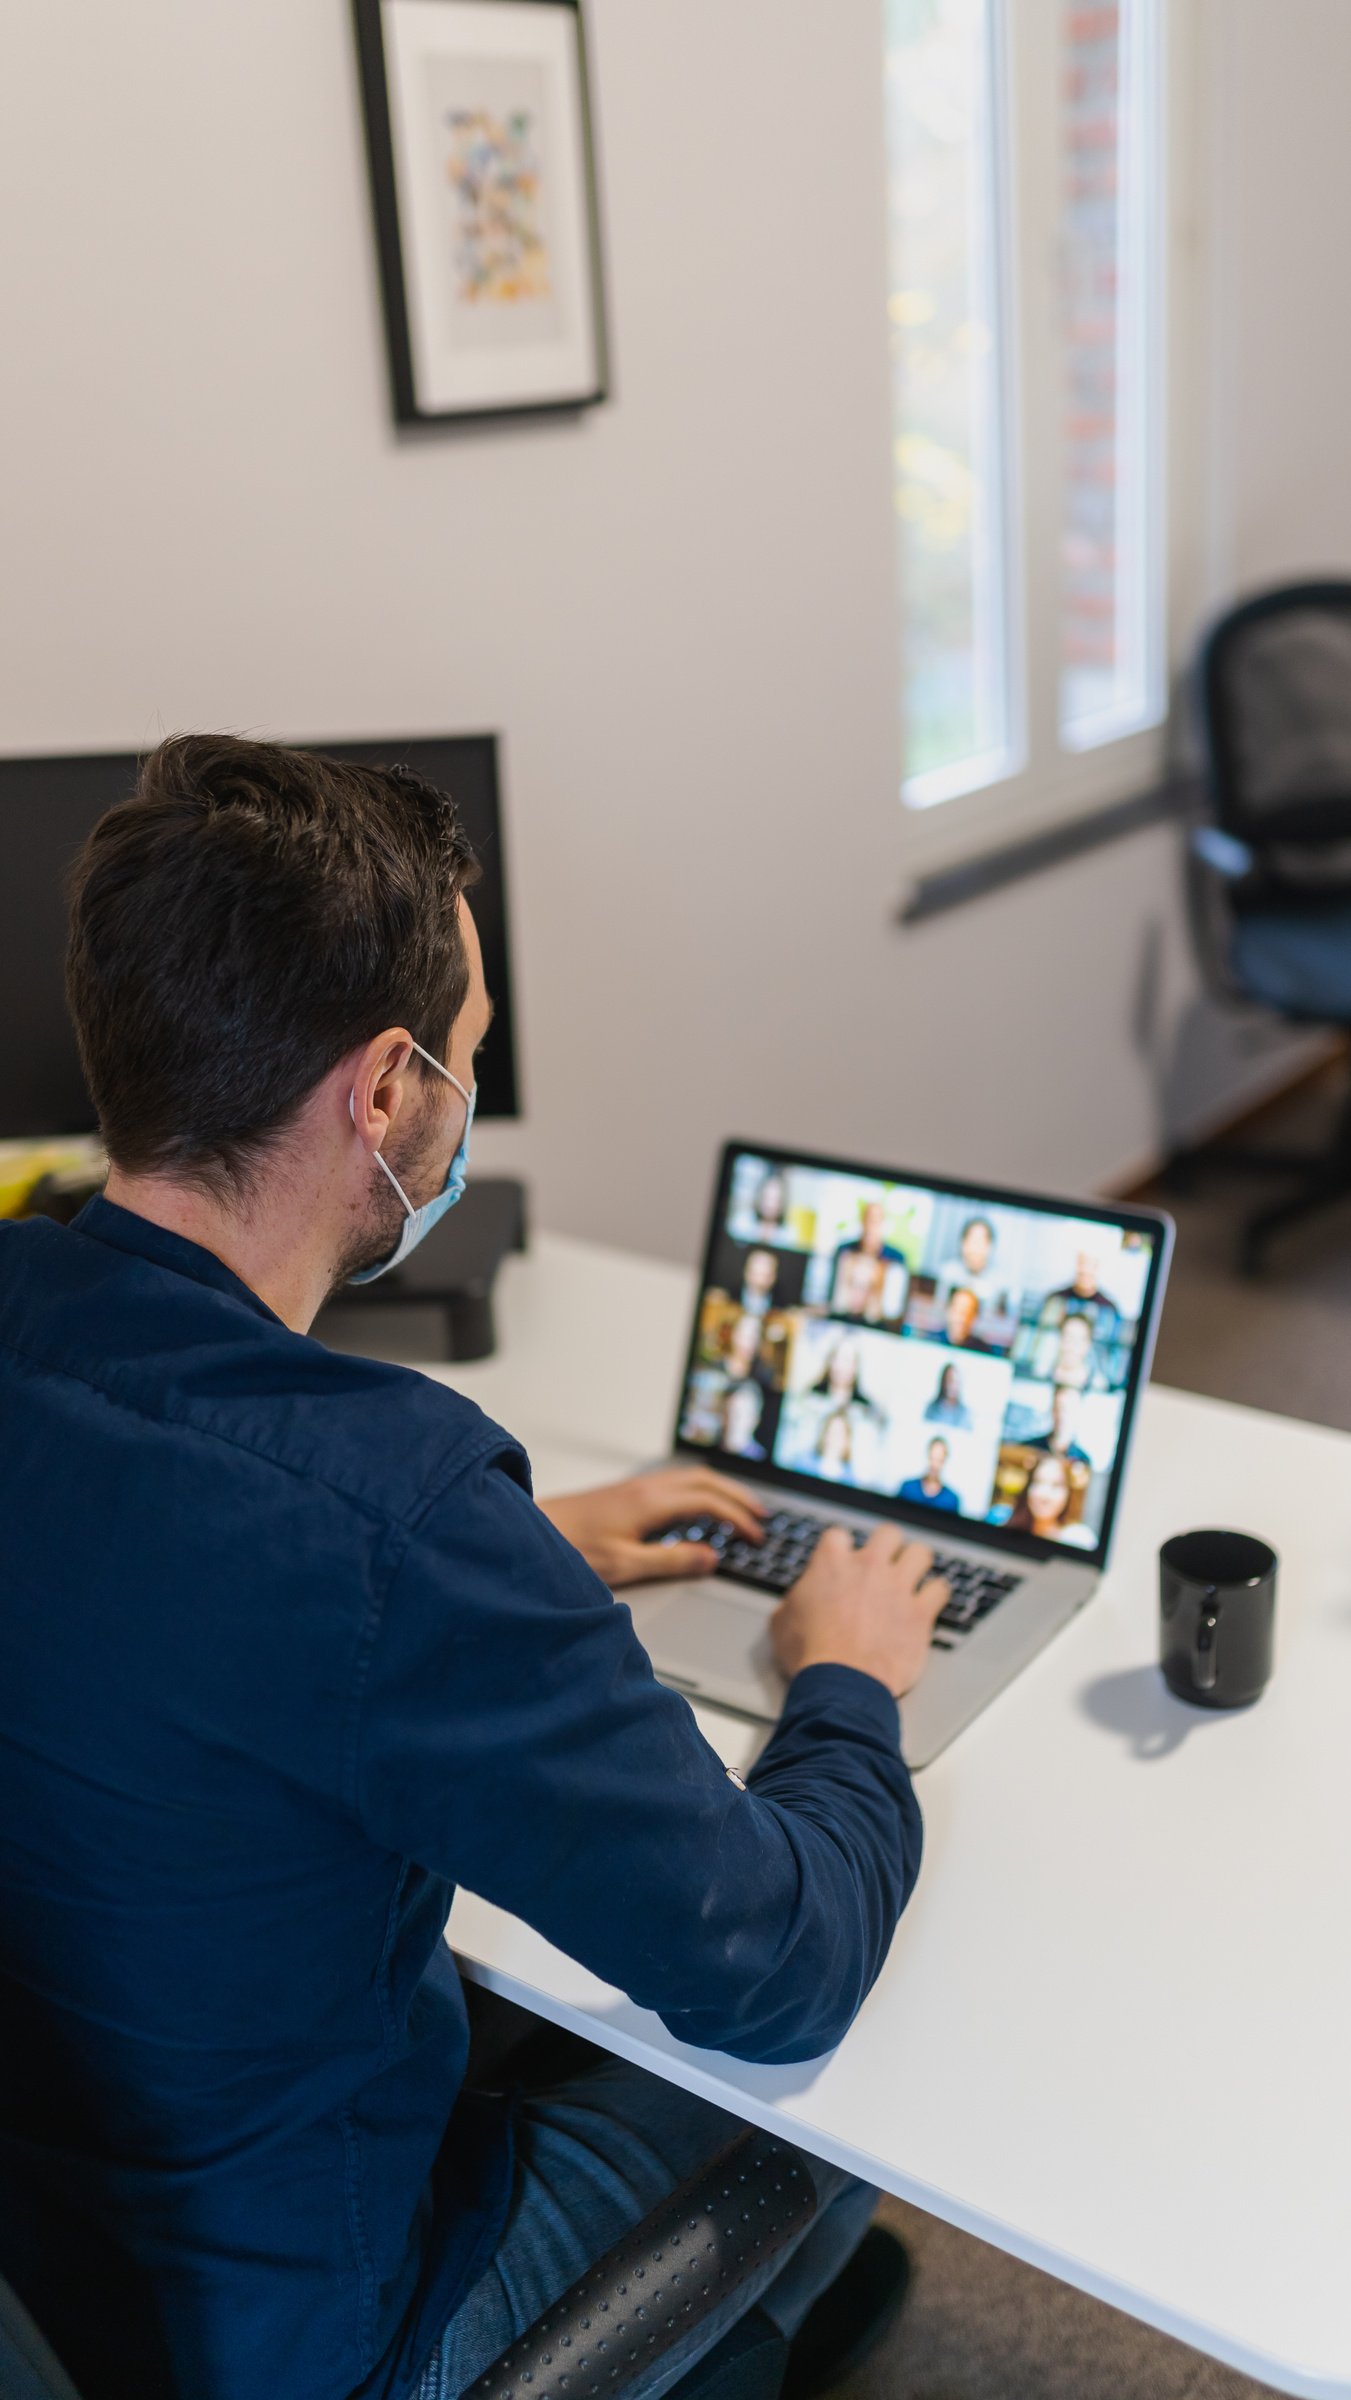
{"points": [[269, 1246]]}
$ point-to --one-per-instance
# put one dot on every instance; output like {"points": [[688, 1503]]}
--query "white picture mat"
{"points": [[419, 36]]}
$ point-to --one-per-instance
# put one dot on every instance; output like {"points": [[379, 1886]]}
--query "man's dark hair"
{"points": [[248, 917]]}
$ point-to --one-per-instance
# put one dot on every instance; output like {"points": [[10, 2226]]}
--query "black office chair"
{"points": [[28, 2369], [1270, 876], [661, 2282]]}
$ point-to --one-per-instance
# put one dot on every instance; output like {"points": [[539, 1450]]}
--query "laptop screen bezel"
{"points": [[1152, 1222]]}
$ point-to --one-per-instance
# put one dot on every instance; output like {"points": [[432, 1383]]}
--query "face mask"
{"points": [[418, 1222]]}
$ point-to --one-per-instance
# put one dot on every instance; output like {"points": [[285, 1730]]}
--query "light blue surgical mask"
{"points": [[418, 1222]]}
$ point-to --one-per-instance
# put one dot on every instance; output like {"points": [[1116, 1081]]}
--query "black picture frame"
{"points": [[411, 403]]}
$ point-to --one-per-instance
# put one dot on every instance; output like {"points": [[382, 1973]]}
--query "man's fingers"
{"points": [[835, 1543], [729, 1502], [915, 1562], [665, 1562], [935, 1594]]}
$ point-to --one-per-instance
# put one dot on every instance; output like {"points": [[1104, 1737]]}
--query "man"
{"points": [[975, 1268], [288, 1650], [870, 1277], [871, 1237], [959, 1321], [1059, 1439], [861, 1292], [1083, 1297], [932, 1488]]}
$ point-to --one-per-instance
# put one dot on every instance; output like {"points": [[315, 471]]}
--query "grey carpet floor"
{"points": [[1283, 1341], [979, 2325]]}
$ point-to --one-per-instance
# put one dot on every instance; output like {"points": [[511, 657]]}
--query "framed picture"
{"points": [[483, 175]]}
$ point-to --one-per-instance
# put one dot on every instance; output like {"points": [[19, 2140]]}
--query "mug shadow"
{"points": [[1137, 1705]]}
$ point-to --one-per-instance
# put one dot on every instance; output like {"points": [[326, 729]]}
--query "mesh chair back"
{"points": [[1276, 702]]}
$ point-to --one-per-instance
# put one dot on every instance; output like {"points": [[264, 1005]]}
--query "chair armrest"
{"points": [[28, 2369], [1223, 853], [693, 2252]]}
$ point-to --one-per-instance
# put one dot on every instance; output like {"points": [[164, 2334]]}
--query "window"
{"points": [[951, 399], [1027, 210], [1110, 291]]}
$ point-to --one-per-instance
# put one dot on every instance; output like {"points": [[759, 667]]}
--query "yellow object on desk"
{"points": [[24, 1165]]}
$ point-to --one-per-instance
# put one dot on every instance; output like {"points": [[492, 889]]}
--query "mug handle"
{"points": [[1204, 1659]]}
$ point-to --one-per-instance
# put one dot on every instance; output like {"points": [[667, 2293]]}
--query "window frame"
{"points": [[1057, 781]]}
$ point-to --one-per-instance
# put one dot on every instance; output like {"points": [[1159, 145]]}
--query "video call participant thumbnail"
{"points": [[1084, 1297], [742, 1345], [763, 1213], [830, 1380], [975, 1266], [759, 1275], [841, 1379], [960, 1317], [753, 1281], [743, 1410], [734, 1348], [1060, 1437], [833, 1456], [1039, 1493], [948, 1405], [1067, 1355], [869, 1290], [932, 1489]]}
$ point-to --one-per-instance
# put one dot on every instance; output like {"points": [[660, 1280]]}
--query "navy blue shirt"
{"points": [[287, 1652]]}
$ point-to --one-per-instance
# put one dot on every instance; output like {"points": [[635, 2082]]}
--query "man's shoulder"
{"points": [[227, 1383], [386, 1438]]}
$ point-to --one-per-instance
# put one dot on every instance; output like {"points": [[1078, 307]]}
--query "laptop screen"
{"points": [[964, 1356]]}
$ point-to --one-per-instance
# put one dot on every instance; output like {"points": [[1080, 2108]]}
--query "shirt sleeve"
{"points": [[513, 1738]]}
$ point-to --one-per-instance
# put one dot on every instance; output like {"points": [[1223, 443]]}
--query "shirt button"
{"points": [[733, 1777]]}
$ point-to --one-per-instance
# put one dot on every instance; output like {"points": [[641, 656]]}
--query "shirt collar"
{"points": [[121, 1229]]}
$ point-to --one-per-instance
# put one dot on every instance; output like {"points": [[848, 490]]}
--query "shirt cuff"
{"points": [[848, 1697]]}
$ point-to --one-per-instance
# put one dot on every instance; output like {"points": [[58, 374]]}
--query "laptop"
{"points": [[962, 1360]]}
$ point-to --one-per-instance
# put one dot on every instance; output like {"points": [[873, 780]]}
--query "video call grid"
{"points": [[971, 1360]]}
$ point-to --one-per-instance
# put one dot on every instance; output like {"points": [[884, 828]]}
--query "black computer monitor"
{"points": [[47, 806]]}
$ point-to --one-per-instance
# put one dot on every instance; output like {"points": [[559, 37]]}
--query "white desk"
{"points": [[1114, 2033]]}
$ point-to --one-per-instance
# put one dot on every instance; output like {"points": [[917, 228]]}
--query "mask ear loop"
{"points": [[409, 1209]]}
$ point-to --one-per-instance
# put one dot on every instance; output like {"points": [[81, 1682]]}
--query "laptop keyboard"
{"points": [[776, 1563]]}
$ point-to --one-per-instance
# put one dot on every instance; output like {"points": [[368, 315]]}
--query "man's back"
{"points": [[286, 1649], [205, 1961]]}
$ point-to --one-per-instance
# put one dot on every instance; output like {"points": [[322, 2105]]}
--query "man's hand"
{"points": [[873, 1609], [608, 1526]]}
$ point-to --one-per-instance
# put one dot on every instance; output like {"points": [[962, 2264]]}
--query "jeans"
{"points": [[594, 2154]]}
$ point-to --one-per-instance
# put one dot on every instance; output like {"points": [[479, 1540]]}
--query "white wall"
{"points": [[1284, 363], [680, 612]]}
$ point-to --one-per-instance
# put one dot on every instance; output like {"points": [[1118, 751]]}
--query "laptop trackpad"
{"points": [[714, 1643]]}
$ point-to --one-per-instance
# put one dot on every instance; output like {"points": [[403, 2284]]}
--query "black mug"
{"points": [[1218, 1600]]}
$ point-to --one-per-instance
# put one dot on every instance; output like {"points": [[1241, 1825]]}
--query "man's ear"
{"points": [[379, 1087]]}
